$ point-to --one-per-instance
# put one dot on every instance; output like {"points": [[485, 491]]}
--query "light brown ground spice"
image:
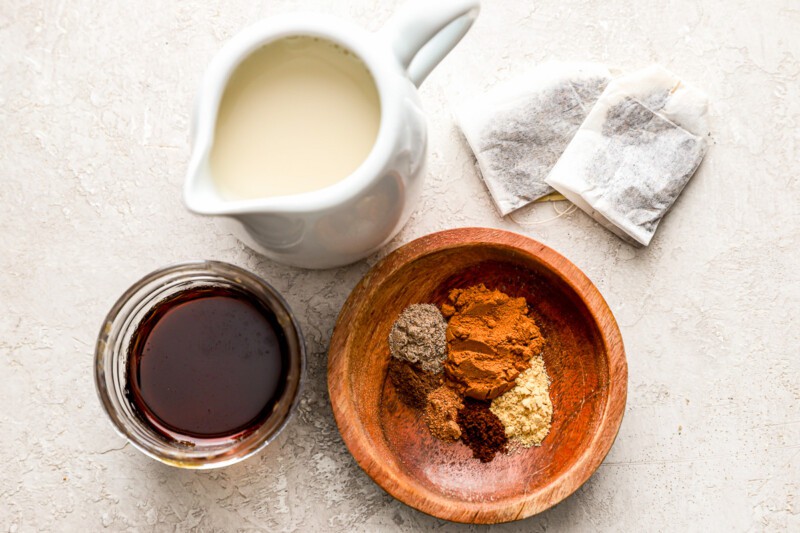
{"points": [[441, 412]]}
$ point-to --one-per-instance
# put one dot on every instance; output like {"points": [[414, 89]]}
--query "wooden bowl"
{"points": [[583, 355]]}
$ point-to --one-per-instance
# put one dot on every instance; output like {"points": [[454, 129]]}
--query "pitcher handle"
{"points": [[422, 33]]}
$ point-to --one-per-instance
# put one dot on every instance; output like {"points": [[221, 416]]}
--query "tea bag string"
{"points": [[568, 211]]}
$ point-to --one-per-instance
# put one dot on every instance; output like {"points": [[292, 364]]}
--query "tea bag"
{"points": [[637, 149], [519, 129]]}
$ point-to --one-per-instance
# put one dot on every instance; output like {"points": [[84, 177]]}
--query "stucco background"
{"points": [[94, 116]]}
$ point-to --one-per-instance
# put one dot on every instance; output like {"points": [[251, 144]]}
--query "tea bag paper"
{"points": [[634, 154], [519, 129]]}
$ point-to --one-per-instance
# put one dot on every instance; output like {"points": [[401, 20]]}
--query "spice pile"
{"points": [[478, 377]]}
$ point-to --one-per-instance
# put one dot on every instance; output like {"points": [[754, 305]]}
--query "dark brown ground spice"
{"points": [[481, 430], [411, 383]]}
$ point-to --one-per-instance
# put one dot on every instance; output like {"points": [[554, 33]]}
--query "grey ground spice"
{"points": [[418, 336]]}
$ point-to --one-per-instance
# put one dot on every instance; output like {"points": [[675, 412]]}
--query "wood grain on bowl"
{"points": [[583, 354]]}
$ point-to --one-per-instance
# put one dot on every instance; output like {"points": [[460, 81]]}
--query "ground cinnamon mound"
{"points": [[490, 340], [481, 430]]}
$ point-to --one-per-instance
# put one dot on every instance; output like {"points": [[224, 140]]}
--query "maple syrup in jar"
{"points": [[200, 365], [206, 363]]}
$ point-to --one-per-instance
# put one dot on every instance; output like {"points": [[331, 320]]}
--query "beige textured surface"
{"points": [[94, 108]]}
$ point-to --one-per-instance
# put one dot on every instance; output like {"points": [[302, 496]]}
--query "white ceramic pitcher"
{"points": [[354, 217]]}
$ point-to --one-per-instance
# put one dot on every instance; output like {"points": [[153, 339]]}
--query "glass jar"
{"points": [[111, 359]]}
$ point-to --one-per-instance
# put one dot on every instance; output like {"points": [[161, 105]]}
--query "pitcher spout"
{"points": [[200, 196]]}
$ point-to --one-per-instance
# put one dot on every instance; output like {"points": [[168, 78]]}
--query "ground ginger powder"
{"points": [[526, 410]]}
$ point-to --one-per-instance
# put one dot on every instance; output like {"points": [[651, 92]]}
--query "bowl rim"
{"points": [[428, 501]]}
